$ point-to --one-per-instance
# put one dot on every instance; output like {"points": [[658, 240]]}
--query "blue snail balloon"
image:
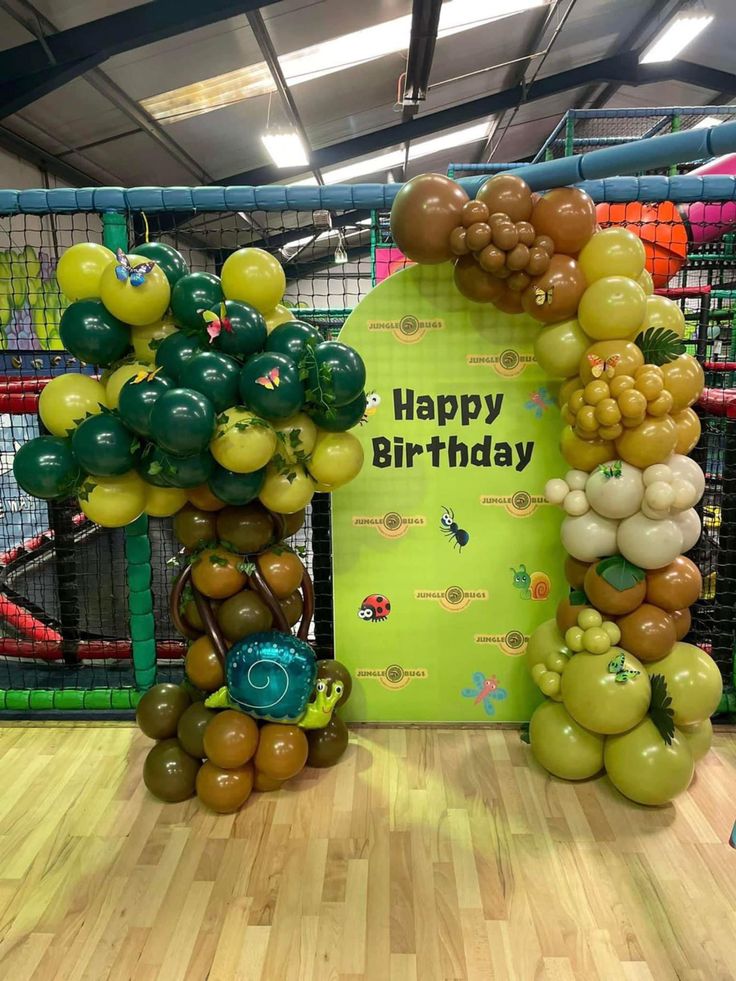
{"points": [[269, 675]]}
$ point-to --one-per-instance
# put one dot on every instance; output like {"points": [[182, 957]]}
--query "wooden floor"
{"points": [[426, 854]]}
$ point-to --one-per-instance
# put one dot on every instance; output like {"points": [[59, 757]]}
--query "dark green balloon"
{"points": [[160, 709], [248, 331], [192, 725], [215, 375], [192, 293], [171, 262], [236, 488], [292, 339], [174, 351], [104, 446], [45, 467], [137, 400], [91, 333], [339, 419], [169, 772], [164, 470], [182, 422], [344, 371], [261, 394]]}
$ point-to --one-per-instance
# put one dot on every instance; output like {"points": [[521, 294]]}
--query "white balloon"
{"points": [[687, 469], [576, 503], [657, 471], [589, 536], [659, 496], [689, 524], [685, 494], [556, 490], [615, 497], [576, 479], [648, 543]]}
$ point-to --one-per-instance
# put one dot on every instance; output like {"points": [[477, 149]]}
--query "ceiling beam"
{"points": [[30, 74], [265, 45], [425, 22], [26, 14], [624, 69]]}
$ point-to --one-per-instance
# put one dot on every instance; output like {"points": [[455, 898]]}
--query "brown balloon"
{"points": [[608, 599], [192, 616], [263, 783], [169, 773], [518, 282], [243, 614], [459, 241], [282, 750], [682, 620], [193, 527], [508, 194], [424, 214], [230, 739], [327, 745], [475, 283], [192, 724], [648, 633], [676, 586], [293, 522], [567, 612], [293, 607], [247, 529], [202, 665], [509, 301], [160, 709], [526, 233], [474, 211], [518, 257], [331, 671], [224, 791], [556, 293], [492, 259], [567, 216], [538, 263], [575, 571], [478, 236]]}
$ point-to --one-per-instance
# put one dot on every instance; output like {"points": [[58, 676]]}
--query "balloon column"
{"points": [[215, 406], [624, 691], [208, 382]]}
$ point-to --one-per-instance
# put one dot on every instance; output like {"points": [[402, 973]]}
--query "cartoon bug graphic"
{"points": [[532, 587], [450, 528], [486, 690], [375, 608]]}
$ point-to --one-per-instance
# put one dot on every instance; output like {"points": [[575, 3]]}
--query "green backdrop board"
{"points": [[446, 556]]}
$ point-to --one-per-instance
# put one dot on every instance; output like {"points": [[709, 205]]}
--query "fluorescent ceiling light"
{"points": [[285, 148], [675, 37], [708, 122], [318, 60]]}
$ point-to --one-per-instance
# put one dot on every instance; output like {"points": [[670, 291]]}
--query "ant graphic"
{"points": [[450, 527]]}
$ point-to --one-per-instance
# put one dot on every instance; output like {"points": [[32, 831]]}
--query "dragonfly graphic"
{"points": [[485, 692], [539, 402]]}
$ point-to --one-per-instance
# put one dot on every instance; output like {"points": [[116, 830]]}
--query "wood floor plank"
{"points": [[426, 855]]}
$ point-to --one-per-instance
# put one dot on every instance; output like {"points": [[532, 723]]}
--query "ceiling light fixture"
{"points": [[285, 148], [675, 37], [708, 122]]}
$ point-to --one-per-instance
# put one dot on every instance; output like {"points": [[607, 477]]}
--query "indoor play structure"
{"points": [[186, 389]]}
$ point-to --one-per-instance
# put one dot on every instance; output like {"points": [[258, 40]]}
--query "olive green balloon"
{"points": [[169, 772], [699, 737], [160, 709], [327, 745], [562, 746], [546, 639], [243, 614], [644, 768], [192, 725], [559, 348], [693, 682], [598, 701], [248, 528]]}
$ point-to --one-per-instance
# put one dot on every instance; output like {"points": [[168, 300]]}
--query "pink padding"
{"points": [[710, 220]]}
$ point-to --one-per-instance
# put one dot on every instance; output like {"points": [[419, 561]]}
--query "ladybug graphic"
{"points": [[374, 608]]}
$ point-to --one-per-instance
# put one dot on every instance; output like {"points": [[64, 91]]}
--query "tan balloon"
{"points": [[555, 295], [682, 620], [684, 378], [647, 632], [663, 312], [475, 283], [425, 212], [568, 216], [507, 194], [651, 442], [558, 348], [584, 454], [688, 430], [675, 586]]}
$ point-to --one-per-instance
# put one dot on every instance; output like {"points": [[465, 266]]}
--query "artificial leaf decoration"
{"points": [[660, 345], [619, 573], [660, 708], [578, 598], [524, 733]]}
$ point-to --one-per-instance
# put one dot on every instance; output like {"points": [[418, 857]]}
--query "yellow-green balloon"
{"points": [[562, 746], [644, 768], [612, 308], [545, 640], [693, 681], [698, 737], [663, 312], [80, 269], [612, 252], [598, 701], [559, 348]]}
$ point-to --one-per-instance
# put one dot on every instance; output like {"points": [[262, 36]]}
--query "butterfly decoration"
{"points": [[623, 674], [485, 692], [599, 367], [216, 323], [539, 402], [270, 380], [127, 273], [542, 296], [144, 376], [612, 470]]}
